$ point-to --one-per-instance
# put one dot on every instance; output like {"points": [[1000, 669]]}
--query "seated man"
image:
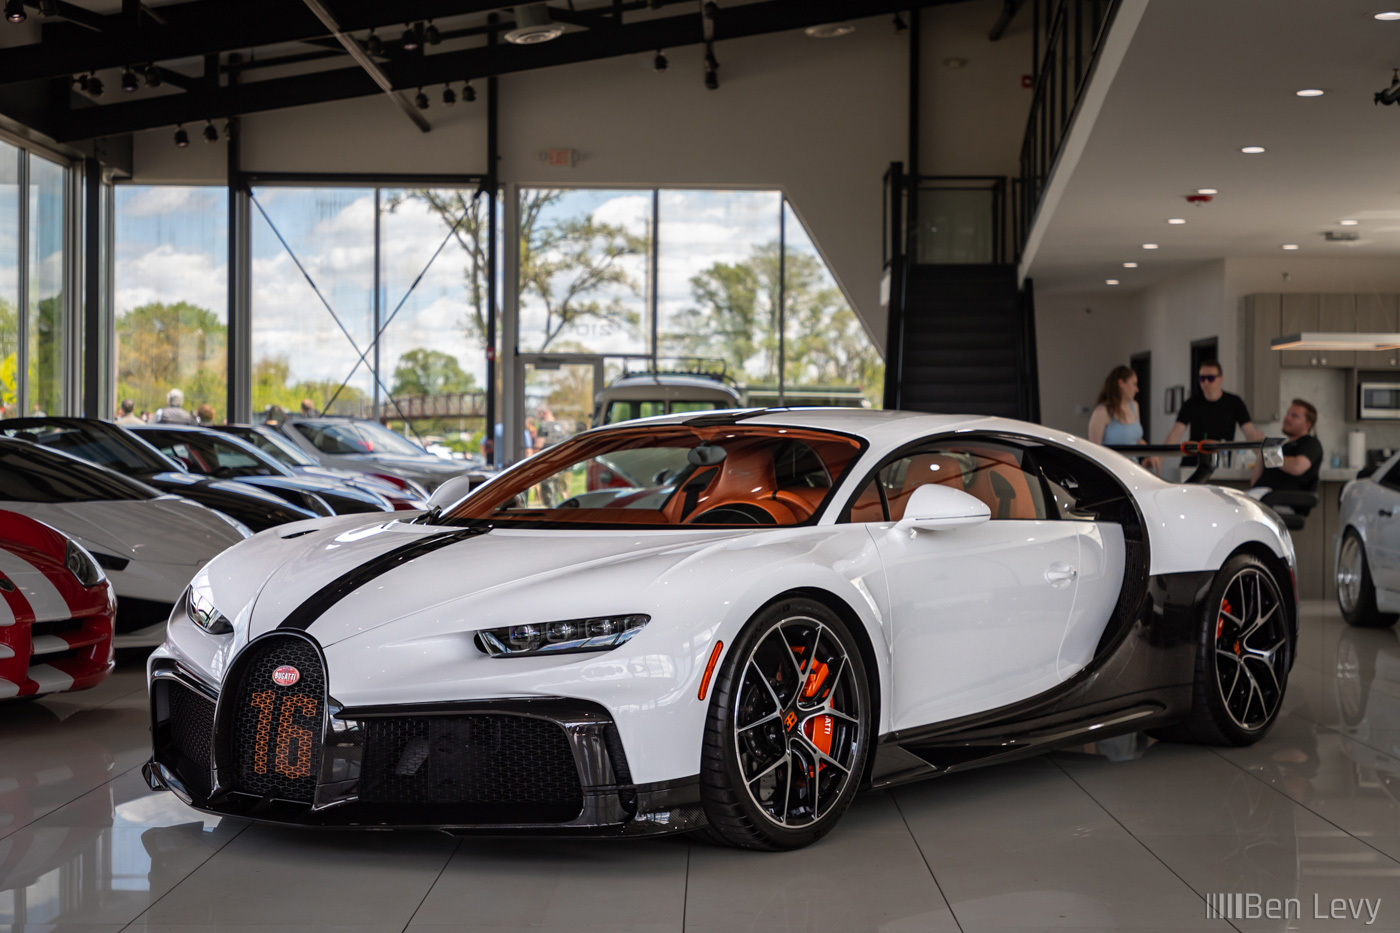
{"points": [[1302, 455]]}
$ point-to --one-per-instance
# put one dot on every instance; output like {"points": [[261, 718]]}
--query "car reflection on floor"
{"points": [[1112, 834]]}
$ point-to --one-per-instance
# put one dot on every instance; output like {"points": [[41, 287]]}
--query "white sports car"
{"points": [[777, 609], [149, 544]]}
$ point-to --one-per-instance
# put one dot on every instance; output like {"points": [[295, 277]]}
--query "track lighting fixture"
{"points": [[711, 68], [468, 94], [129, 82], [211, 133], [374, 45], [421, 100], [81, 82], [410, 38], [431, 34], [152, 76], [1391, 94], [899, 24], [182, 139], [659, 63], [449, 96], [711, 9], [14, 11], [94, 85]]}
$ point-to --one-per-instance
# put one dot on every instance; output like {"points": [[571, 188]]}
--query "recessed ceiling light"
{"points": [[1290, 246], [1311, 92], [1110, 281], [1207, 190], [1176, 220], [1348, 223], [1388, 16], [1129, 265], [1252, 150], [1149, 246]]}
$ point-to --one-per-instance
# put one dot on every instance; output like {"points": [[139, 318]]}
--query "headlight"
{"points": [[566, 637], [80, 562], [199, 608]]}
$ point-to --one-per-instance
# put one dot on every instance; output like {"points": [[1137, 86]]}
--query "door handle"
{"points": [[1385, 513], [1061, 574]]}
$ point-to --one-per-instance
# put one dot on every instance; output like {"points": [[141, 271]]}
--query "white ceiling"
{"points": [[1201, 79]]}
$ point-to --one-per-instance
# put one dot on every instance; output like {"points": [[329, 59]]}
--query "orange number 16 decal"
{"points": [[291, 738]]}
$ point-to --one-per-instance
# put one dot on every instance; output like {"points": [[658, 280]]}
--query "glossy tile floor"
{"points": [[1128, 834]]}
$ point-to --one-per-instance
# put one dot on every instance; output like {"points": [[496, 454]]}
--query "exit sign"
{"points": [[561, 158]]}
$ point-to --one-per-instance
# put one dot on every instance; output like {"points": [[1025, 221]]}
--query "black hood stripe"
{"points": [[319, 602]]}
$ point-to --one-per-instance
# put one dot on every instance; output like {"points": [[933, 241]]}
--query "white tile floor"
{"points": [[1126, 835]]}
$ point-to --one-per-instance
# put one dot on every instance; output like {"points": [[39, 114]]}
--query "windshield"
{"points": [[730, 475], [357, 437], [209, 455], [279, 449], [36, 475], [109, 447]]}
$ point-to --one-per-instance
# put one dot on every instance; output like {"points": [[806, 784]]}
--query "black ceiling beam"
{"points": [[751, 19], [203, 27]]}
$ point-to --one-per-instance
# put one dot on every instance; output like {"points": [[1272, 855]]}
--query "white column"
{"points": [[512, 397]]}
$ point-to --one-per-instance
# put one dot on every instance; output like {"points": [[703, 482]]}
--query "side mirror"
{"points": [[450, 492], [935, 506]]}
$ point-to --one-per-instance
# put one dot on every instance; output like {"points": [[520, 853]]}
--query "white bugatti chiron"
{"points": [[727, 623]]}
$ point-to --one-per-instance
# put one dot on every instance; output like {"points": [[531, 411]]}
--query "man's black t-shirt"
{"points": [[1214, 421], [1305, 446]]}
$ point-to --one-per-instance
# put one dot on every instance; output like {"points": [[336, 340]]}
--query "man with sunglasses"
{"points": [[1212, 414]]}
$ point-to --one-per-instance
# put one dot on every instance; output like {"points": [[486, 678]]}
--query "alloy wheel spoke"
{"points": [[822, 757], [758, 722], [786, 756], [777, 703]]}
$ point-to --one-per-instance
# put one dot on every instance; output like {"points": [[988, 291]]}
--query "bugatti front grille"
{"points": [[191, 735], [277, 715], [494, 768]]}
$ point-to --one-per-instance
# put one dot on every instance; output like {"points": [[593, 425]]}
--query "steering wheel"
{"points": [[738, 513]]}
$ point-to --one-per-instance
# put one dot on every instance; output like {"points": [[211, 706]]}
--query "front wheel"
{"points": [[1356, 590], [1243, 653], [788, 729]]}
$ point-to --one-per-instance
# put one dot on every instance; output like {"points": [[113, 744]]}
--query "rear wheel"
{"points": [[788, 730], [1356, 591], [1244, 651]]}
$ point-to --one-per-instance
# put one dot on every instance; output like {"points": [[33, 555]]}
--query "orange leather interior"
{"points": [[990, 475], [922, 470], [867, 507]]}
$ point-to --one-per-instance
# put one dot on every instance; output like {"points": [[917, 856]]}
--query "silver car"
{"points": [[369, 447], [1368, 551]]}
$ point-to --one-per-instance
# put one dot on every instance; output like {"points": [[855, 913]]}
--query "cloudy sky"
{"points": [[171, 245]]}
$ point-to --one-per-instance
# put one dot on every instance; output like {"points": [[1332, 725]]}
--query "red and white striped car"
{"points": [[57, 611]]}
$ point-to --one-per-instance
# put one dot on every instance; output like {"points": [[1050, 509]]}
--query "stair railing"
{"points": [[1068, 36]]}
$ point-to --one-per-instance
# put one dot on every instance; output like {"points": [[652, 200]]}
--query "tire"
{"points": [[792, 681], [1356, 591], [1242, 660]]}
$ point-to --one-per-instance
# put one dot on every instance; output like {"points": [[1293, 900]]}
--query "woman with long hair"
{"points": [[1115, 420]]}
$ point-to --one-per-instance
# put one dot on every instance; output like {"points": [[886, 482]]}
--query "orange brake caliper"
{"points": [[1220, 623], [818, 729]]}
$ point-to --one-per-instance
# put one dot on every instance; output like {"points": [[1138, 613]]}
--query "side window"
{"points": [[997, 474], [868, 505], [1391, 479]]}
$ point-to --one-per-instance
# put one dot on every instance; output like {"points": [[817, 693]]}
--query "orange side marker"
{"points": [[710, 669]]}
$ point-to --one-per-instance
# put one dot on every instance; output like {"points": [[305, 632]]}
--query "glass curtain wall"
{"points": [[734, 270], [10, 245], [34, 273], [372, 302], [171, 295]]}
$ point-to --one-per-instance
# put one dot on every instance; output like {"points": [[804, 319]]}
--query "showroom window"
{"points": [[171, 287], [34, 275], [681, 279], [370, 300]]}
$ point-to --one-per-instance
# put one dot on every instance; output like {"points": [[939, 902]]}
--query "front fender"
{"points": [[1193, 528]]}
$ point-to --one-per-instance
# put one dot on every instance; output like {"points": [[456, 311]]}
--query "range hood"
{"points": [[1340, 340]]}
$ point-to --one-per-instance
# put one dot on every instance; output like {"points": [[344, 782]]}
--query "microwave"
{"points": [[1378, 401]]}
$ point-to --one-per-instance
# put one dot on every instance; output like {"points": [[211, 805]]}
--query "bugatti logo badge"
{"points": [[790, 720], [286, 675]]}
